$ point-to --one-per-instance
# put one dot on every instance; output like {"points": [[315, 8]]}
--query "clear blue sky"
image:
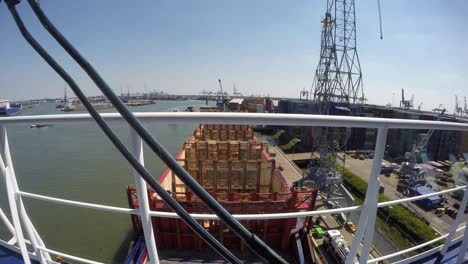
{"points": [[265, 47]]}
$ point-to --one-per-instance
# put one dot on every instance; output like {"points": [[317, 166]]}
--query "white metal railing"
{"points": [[368, 209]]}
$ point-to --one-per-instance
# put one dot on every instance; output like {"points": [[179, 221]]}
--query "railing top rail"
{"points": [[244, 118], [237, 216]]}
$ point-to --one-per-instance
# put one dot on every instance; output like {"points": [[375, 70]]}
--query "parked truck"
{"points": [[336, 246]]}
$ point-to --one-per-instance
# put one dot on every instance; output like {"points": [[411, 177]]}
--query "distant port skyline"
{"points": [[264, 48]]}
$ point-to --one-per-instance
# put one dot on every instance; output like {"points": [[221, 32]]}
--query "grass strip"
{"points": [[397, 218]]}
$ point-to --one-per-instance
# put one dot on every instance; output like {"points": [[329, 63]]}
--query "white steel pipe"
{"points": [[142, 192], [195, 216], [401, 252], [243, 118], [69, 256], [456, 223], [463, 246], [11, 197], [7, 222], [16, 221], [214, 217], [419, 197], [33, 235], [80, 204], [373, 199], [369, 211]]}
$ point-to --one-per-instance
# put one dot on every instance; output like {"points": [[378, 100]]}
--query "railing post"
{"points": [[7, 222], [11, 198], [464, 246], [34, 236], [140, 184], [366, 224], [456, 223]]}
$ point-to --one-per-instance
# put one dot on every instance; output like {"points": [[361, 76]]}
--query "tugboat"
{"points": [[9, 109]]}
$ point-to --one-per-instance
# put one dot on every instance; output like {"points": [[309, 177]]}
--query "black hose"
{"points": [[380, 19], [168, 199], [251, 240]]}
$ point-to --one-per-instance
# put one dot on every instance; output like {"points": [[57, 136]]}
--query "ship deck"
{"points": [[290, 171], [10, 257]]}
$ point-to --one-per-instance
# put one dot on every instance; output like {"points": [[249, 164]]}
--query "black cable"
{"points": [[380, 19], [168, 199], [251, 240]]}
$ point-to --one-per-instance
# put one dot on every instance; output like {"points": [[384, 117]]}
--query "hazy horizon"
{"points": [[264, 47]]}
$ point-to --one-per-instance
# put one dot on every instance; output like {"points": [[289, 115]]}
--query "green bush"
{"points": [[413, 227]]}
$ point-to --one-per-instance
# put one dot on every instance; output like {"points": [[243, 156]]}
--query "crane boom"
{"points": [[220, 87], [422, 144]]}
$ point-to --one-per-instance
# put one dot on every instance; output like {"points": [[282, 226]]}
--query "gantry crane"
{"points": [[404, 103]]}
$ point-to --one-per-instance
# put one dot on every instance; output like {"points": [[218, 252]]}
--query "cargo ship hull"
{"points": [[7, 109], [235, 168]]}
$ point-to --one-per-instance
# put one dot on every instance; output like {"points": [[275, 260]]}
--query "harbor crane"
{"points": [[404, 103], [304, 94], [221, 96], [465, 108], [235, 92], [458, 110], [410, 172], [439, 109]]}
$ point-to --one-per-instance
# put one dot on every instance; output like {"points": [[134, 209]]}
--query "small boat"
{"points": [[175, 110], [190, 109], [39, 125]]}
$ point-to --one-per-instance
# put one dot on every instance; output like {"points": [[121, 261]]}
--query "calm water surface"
{"points": [[78, 162]]}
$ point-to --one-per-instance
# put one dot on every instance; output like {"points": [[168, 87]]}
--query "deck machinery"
{"points": [[235, 168]]}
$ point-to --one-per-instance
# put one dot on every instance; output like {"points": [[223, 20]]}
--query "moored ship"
{"points": [[9, 109], [235, 168]]}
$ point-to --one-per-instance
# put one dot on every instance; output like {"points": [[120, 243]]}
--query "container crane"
{"points": [[221, 96], [404, 103]]}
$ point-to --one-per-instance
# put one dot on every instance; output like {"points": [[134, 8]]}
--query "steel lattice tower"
{"points": [[338, 77], [337, 84]]}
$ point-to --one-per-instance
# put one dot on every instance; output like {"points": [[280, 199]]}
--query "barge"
{"points": [[236, 169]]}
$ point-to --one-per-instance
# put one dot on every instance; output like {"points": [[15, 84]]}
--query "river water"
{"points": [[78, 162]]}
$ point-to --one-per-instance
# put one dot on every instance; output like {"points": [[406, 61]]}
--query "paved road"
{"points": [[299, 156], [291, 172], [362, 168], [329, 222]]}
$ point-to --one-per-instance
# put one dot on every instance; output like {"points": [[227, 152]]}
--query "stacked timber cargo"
{"points": [[227, 158], [233, 166]]}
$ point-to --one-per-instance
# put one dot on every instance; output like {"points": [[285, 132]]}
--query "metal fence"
{"points": [[21, 226]]}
